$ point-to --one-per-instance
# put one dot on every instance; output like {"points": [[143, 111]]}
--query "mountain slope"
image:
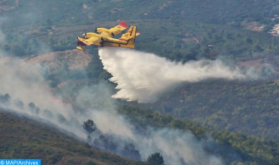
{"points": [[86, 11], [24, 139], [245, 107], [180, 30], [234, 148]]}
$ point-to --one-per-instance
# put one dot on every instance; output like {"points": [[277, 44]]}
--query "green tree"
{"points": [[155, 159], [89, 127]]}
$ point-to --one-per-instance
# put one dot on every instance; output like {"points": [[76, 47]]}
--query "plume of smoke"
{"points": [[24, 91], [33, 97], [177, 147], [144, 77], [2, 36]]}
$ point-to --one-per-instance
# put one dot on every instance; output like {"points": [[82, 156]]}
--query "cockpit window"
{"points": [[84, 36]]}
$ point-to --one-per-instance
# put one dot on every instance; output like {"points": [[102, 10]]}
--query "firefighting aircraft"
{"points": [[104, 37]]}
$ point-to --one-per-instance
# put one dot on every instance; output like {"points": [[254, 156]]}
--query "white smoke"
{"points": [[2, 36], [177, 147], [144, 77], [25, 82]]}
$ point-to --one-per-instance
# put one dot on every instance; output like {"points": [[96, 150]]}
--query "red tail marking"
{"points": [[123, 24]]}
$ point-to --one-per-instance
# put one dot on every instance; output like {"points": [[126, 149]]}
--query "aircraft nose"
{"points": [[79, 43]]}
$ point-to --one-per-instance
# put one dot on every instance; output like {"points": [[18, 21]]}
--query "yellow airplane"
{"points": [[104, 37]]}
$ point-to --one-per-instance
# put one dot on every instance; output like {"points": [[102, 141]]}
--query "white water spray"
{"points": [[144, 77]]}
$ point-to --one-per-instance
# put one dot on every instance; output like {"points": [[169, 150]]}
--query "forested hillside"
{"points": [[245, 107], [73, 12], [183, 28], [24, 139], [237, 120], [233, 148]]}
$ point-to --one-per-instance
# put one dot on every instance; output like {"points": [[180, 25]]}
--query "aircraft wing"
{"points": [[118, 41], [118, 29], [90, 41], [127, 40]]}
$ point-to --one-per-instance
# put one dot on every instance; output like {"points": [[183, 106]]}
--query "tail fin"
{"points": [[130, 35]]}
